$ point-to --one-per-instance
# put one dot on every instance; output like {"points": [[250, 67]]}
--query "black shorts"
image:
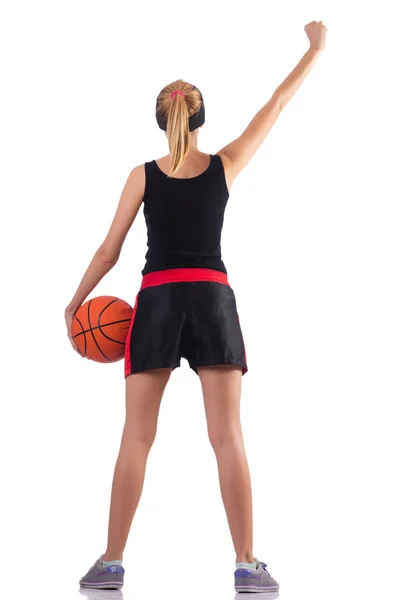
{"points": [[189, 313]]}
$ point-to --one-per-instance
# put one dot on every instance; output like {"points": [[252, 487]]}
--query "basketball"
{"points": [[100, 328]]}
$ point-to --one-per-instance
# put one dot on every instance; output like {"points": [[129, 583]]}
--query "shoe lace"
{"points": [[264, 565]]}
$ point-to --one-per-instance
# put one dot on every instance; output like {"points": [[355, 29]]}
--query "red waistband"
{"points": [[179, 275]]}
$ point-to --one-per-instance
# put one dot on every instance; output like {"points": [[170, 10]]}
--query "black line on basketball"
{"points": [[83, 332], [100, 326], [111, 339], [106, 325], [103, 310], [92, 333]]}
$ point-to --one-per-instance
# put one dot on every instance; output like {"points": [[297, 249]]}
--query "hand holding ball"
{"points": [[100, 328]]}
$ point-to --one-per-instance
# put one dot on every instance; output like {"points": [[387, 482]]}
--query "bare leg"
{"points": [[143, 396], [222, 390]]}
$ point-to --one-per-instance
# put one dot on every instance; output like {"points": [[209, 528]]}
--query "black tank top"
{"points": [[184, 218]]}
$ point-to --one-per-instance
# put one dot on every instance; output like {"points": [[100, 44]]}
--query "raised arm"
{"points": [[237, 154], [108, 253]]}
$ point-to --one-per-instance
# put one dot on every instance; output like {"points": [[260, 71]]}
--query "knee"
{"points": [[138, 438], [225, 437], [145, 438]]}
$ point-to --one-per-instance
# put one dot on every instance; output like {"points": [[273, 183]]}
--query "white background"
{"points": [[310, 246]]}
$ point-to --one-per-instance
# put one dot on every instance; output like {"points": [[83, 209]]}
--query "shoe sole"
{"points": [[255, 588], [111, 585]]}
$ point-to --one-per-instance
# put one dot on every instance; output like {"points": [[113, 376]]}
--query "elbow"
{"points": [[107, 256], [278, 101]]}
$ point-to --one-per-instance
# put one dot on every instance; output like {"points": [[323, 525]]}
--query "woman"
{"points": [[185, 308]]}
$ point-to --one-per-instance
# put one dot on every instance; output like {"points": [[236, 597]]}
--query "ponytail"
{"points": [[178, 132], [176, 103]]}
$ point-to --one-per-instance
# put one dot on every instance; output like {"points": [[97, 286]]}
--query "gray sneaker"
{"points": [[258, 580], [103, 578]]}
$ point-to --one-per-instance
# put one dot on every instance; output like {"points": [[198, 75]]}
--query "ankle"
{"points": [[245, 557], [109, 556]]}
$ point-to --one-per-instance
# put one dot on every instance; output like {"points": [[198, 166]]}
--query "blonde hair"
{"points": [[177, 110]]}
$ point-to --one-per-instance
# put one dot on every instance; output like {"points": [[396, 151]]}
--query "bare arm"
{"points": [[238, 153], [109, 251]]}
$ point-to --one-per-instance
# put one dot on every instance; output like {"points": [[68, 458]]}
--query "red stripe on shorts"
{"points": [[245, 352], [127, 359], [180, 275]]}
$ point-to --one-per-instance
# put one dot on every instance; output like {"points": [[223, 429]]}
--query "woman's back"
{"points": [[184, 217]]}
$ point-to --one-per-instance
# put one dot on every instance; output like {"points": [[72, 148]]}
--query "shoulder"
{"points": [[136, 182], [138, 171], [227, 167], [226, 162], [137, 176]]}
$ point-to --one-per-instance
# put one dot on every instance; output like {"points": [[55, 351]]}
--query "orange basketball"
{"points": [[100, 328]]}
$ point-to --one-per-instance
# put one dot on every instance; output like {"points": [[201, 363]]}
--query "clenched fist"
{"points": [[316, 31]]}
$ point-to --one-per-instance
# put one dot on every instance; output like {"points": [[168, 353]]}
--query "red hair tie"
{"points": [[177, 92]]}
